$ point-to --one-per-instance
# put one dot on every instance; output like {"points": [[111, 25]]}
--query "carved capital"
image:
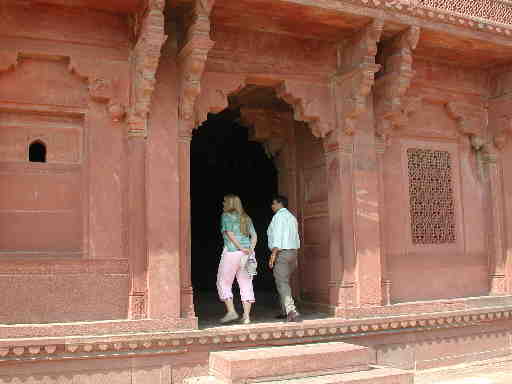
{"points": [[392, 108], [471, 120], [145, 59]]}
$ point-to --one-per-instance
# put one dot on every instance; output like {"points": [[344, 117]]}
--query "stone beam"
{"points": [[392, 107], [144, 62]]}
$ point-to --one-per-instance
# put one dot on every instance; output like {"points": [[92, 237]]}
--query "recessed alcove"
{"points": [[37, 152]]}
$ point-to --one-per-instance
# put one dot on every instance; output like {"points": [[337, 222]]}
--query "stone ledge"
{"points": [[171, 342]]}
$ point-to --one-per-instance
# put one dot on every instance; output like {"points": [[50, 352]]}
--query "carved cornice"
{"points": [[356, 74], [392, 108], [471, 119], [95, 347], [144, 60], [192, 58], [441, 12]]}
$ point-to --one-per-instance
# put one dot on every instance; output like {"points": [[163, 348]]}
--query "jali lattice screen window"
{"points": [[431, 196]]}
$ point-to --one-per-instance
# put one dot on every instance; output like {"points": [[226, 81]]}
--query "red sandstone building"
{"points": [[388, 122]]}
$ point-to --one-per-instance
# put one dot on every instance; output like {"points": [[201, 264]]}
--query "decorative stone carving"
{"points": [[100, 89], [177, 342], [355, 76], [432, 203], [267, 128], [192, 59], [392, 108], [471, 119], [138, 305], [311, 102], [144, 62], [502, 132], [480, 15]]}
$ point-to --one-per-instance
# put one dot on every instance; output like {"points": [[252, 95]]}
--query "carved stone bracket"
{"points": [[392, 107], [144, 62], [502, 131], [356, 75], [192, 58], [471, 120], [267, 127]]}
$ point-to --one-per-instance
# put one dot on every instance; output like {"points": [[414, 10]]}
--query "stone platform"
{"points": [[124, 349]]}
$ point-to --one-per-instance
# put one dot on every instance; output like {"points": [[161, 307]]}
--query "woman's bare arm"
{"points": [[231, 236]]}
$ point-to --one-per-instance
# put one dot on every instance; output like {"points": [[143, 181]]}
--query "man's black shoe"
{"points": [[293, 317], [281, 316]]}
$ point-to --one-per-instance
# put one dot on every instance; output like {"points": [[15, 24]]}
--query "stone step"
{"points": [[371, 376], [288, 362]]}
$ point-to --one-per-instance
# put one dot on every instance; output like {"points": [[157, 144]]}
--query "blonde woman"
{"points": [[239, 242]]}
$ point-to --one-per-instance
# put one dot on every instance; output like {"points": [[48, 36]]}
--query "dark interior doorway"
{"points": [[224, 160]]}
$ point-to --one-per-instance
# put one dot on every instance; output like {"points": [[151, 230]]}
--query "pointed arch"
{"points": [[312, 102]]}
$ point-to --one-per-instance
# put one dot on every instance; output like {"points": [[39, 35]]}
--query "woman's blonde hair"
{"points": [[234, 204]]}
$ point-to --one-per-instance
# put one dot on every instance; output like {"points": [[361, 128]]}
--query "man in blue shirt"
{"points": [[284, 242]]}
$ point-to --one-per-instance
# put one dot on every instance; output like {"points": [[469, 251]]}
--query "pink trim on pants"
{"points": [[229, 267]]}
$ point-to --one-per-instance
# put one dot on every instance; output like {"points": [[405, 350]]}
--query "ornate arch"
{"points": [[311, 102]]}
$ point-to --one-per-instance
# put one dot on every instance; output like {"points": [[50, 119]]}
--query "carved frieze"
{"points": [[144, 63], [180, 342], [355, 76], [392, 107]]}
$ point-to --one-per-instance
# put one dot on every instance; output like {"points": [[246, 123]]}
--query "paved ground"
{"points": [[209, 309], [498, 371]]}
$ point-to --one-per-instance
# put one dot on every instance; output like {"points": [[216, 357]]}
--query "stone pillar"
{"points": [[386, 282], [342, 282], [496, 209], [353, 177], [187, 292], [136, 217]]}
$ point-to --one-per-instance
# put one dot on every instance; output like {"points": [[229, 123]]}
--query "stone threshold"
{"points": [[124, 343]]}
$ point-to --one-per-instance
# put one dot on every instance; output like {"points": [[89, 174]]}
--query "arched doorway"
{"points": [[255, 148]]}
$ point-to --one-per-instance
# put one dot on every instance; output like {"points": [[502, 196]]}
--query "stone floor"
{"points": [[209, 309], [497, 371]]}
